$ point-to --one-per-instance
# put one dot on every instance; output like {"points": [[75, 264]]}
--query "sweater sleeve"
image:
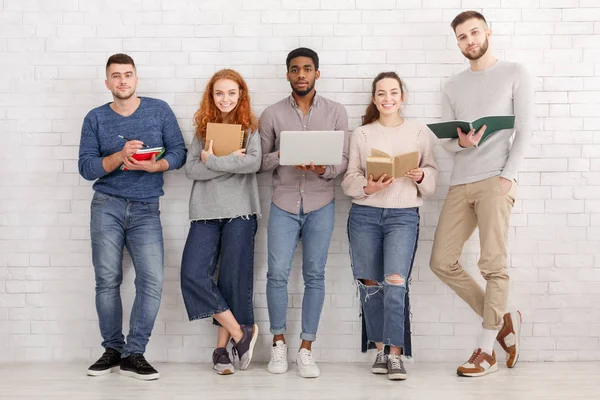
{"points": [[523, 108], [248, 164], [427, 164], [173, 139], [270, 158], [90, 158], [450, 145], [194, 167], [354, 180]]}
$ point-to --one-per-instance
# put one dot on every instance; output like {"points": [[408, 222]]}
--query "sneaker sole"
{"points": [[224, 372], [379, 371], [149, 377], [314, 375], [278, 371], [518, 318], [490, 370], [397, 377], [251, 349], [92, 372]]}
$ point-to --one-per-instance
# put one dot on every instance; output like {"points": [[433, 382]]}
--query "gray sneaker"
{"points": [[380, 366], [222, 362], [244, 349], [396, 369]]}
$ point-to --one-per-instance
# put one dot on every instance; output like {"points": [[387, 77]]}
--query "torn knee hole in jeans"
{"points": [[395, 280], [370, 287]]}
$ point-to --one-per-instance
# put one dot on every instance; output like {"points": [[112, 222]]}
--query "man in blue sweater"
{"points": [[125, 211]]}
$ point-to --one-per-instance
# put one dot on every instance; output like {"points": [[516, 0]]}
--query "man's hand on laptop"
{"points": [[317, 169]]}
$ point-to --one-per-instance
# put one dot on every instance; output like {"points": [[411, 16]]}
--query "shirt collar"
{"points": [[315, 102]]}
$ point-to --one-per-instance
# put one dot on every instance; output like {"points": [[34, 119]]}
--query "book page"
{"points": [[378, 166], [404, 163], [379, 153]]}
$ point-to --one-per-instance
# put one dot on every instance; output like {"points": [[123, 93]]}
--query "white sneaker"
{"points": [[306, 365], [278, 363]]}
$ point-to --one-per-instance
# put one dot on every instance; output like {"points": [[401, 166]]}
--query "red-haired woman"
{"points": [[224, 205]]}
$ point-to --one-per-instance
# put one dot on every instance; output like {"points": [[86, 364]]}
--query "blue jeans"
{"points": [[383, 242], [231, 240], [284, 231], [115, 223]]}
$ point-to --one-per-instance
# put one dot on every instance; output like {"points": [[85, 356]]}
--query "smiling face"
{"points": [[121, 80], [302, 75], [473, 38], [226, 94], [388, 96]]}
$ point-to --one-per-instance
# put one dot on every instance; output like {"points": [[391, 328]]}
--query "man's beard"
{"points": [[304, 92], [482, 50], [120, 96]]}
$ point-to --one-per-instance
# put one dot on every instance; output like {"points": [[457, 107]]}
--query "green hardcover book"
{"points": [[494, 123]]}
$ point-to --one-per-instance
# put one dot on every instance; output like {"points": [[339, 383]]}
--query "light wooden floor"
{"points": [[547, 381]]}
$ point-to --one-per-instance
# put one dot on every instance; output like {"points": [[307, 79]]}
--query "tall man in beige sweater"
{"points": [[483, 187]]}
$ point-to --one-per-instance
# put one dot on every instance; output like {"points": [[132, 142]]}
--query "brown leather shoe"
{"points": [[510, 336], [479, 364]]}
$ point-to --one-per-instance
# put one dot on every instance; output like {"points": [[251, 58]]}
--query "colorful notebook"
{"points": [[146, 154]]}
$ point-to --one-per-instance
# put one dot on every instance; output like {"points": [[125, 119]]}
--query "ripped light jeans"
{"points": [[383, 242]]}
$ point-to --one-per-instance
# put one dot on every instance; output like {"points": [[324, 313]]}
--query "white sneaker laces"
{"points": [[278, 353], [396, 362], [306, 358]]}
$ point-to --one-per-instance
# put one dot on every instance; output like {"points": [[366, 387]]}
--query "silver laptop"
{"points": [[302, 147]]}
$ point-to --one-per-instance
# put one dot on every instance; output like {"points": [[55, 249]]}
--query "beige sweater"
{"points": [[403, 192]]}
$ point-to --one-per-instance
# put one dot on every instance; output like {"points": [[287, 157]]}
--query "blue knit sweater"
{"points": [[153, 123]]}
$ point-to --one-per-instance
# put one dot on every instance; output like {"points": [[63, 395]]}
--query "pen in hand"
{"points": [[126, 138]]}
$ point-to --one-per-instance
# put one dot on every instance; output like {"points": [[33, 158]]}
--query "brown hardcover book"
{"points": [[379, 163], [226, 138]]}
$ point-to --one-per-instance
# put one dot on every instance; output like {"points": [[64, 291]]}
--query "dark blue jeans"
{"points": [[383, 242], [115, 223], [230, 243]]}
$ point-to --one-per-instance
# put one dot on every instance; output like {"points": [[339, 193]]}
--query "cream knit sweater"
{"points": [[404, 192]]}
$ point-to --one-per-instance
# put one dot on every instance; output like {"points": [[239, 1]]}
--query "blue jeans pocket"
{"points": [[100, 199]]}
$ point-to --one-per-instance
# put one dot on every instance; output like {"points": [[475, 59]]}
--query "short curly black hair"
{"points": [[302, 52]]}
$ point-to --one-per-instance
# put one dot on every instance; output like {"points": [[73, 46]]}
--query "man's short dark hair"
{"points": [[465, 16], [302, 52], [120, 58]]}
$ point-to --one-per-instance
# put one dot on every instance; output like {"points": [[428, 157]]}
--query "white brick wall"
{"points": [[52, 54]]}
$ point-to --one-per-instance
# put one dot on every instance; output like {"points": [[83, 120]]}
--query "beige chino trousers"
{"points": [[485, 205]]}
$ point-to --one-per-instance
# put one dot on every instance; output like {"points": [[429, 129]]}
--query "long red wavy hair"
{"points": [[241, 114]]}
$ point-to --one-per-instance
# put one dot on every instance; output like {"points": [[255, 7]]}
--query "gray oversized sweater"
{"points": [[502, 89], [224, 187]]}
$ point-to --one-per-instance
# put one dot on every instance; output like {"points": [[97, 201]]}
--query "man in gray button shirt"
{"points": [[302, 206]]}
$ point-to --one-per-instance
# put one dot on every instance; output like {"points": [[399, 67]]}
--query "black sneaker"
{"points": [[137, 367], [245, 347], [109, 362], [380, 366], [221, 361], [396, 371]]}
